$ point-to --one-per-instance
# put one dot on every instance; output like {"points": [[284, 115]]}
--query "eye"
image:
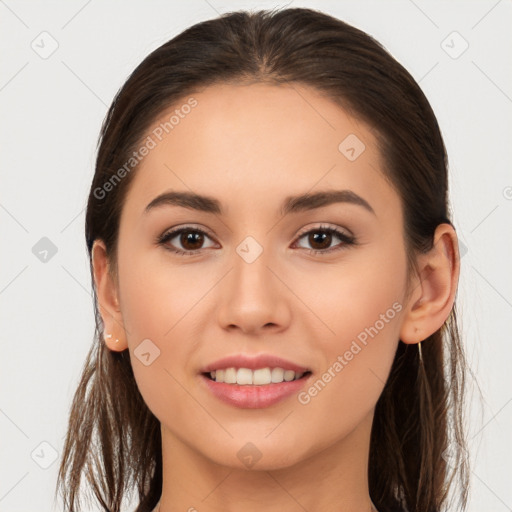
{"points": [[190, 238], [322, 237]]}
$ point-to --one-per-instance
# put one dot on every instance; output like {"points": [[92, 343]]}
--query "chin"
{"points": [[258, 456]]}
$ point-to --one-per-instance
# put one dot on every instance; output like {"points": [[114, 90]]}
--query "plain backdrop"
{"points": [[62, 63]]}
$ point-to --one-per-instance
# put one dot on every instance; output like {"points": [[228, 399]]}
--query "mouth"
{"points": [[257, 377], [254, 382]]}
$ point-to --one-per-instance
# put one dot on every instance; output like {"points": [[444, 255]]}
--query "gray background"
{"points": [[52, 107]]}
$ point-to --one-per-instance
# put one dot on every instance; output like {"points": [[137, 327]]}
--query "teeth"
{"points": [[277, 375], [230, 376], [289, 375], [243, 376], [259, 377]]}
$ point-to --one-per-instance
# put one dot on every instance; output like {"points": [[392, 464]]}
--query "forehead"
{"points": [[245, 142]]}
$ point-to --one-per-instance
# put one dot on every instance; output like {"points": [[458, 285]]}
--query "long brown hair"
{"points": [[417, 446]]}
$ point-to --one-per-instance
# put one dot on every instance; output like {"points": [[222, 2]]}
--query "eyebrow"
{"points": [[291, 204]]}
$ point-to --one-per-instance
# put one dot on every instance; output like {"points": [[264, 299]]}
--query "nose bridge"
{"points": [[251, 275], [252, 296]]}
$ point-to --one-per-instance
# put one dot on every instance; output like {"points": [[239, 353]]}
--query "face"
{"points": [[271, 283]]}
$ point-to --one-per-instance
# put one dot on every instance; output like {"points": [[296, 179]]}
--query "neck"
{"points": [[334, 479]]}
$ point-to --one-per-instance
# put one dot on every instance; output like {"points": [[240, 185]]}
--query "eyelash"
{"points": [[345, 238]]}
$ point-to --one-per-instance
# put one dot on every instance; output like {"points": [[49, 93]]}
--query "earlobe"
{"points": [[108, 303], [432, 298]]}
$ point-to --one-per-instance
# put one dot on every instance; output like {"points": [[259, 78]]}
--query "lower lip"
{"points": [[254, 397]]}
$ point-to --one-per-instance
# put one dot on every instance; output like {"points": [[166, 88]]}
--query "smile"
{"points": [[253, 381], [258, 377]]}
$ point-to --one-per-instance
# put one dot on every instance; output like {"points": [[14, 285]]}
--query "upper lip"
{"points": [[253, 363]]}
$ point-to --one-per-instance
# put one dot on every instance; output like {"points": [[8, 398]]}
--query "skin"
{"points": [[250, 146]]}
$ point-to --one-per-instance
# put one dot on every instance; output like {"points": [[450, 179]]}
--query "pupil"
{"points": [[191, 238], [322, 238]]}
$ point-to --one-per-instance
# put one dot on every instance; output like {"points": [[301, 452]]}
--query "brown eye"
{"points": [[184, 241], [191, 240], [320, 240]]}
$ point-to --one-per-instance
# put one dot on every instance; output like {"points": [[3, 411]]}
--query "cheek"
{"points": [[155, 294], [357, 362], [363, 291], [157, 305], [360, 308]]}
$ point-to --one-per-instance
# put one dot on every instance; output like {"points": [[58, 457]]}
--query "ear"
{"points": [[434, 289], [108, 302]]}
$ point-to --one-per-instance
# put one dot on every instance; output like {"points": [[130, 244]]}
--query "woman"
{"points": [[275, 273]]}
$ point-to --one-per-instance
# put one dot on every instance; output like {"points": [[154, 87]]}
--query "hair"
{"points": [[418, 444]]}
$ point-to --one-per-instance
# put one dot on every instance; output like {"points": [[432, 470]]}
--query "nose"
{"points": [[253, 298]]}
